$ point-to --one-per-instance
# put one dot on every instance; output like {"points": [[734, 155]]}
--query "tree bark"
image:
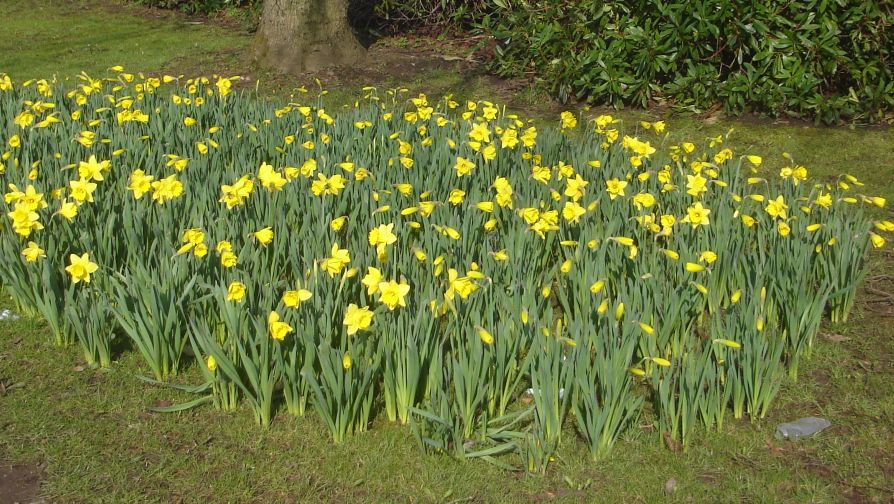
{"points": [[305, 35]]}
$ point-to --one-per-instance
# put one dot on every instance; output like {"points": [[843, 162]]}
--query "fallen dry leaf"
{"points": [[773, 449], [672, 445]]}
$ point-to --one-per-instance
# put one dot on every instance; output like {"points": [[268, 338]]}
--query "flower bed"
{"points": [[446, 265]]}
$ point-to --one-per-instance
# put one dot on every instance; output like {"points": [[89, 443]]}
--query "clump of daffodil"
{"points": [[33, 252], [357, 318], [461, 235], [393, 294], [336, 262], [380, 237], [264, 236], [80, 267], [294, 298], [236, 292], [277, 328]]}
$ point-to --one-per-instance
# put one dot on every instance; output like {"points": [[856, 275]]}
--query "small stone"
{"points": [[801, 428]]}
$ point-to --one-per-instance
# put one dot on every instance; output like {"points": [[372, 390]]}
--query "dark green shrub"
{"points": [[830, 60], [198, 6], [393, 15]]}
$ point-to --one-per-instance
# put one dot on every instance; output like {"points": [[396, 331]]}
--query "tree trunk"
{"points": [[305, 35]]}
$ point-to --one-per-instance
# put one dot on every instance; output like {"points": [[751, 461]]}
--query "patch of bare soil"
{"points": [[435, 67], [384, 63], [20, 483], [879, 289]]}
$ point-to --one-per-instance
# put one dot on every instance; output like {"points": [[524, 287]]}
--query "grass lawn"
{"points": [[93, 434], [90, 435], [62, 38]]}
